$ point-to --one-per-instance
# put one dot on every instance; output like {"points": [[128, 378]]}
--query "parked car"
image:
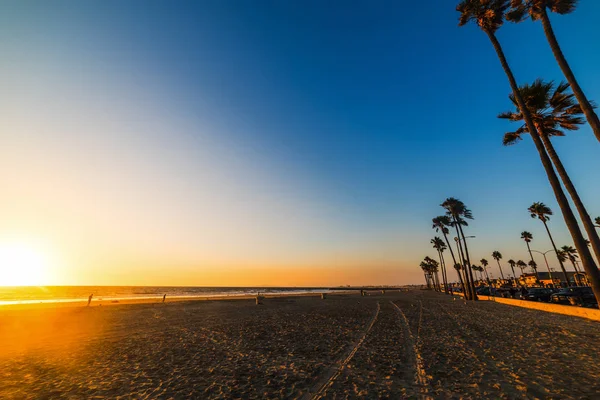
{"points": [[577, 295], [485, 291], [538, 294]]}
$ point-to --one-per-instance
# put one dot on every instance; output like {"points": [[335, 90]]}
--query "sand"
{"points": [[392, 345]]}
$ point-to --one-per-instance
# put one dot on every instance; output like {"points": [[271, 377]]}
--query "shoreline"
{"points": [[78, 303]]}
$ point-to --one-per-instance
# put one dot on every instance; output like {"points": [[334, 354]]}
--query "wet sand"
{"points": [[393, 345]]}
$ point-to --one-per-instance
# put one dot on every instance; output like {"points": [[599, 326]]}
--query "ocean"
{"points": [[59, 294]]}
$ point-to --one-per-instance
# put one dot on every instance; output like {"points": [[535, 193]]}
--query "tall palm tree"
{"points": [[543, 212], [512, 264], [496, 255], [538, 10], [489, 17], [484, 264], [527, 237], [553, 110], [459, 213], [458, 267], [441, 224], [533, 266], [440, 246]]}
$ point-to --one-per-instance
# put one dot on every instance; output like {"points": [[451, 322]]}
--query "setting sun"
{"points": [[21, 265]]}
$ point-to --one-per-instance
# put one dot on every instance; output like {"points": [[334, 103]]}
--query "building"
{"points": [[575, 278]]}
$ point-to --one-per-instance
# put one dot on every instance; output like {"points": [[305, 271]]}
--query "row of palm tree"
{"points": [[430, 269], [456, 215], [544, 109]]}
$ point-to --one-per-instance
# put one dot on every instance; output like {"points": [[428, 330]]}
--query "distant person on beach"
{"points": [[164, 297], [90, 299]]}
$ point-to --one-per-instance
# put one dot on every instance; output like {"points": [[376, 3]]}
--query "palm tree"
{"points": [[425, 267], [458, 213], [489, 17], [553, 110], [478, 269], [442, 223], [512, 264], [458, 267], [484, 264], [537, 10], [571, 253], [543, 212], [533, 266], [496, 255], [434, 268], [521, 264], [527, 237], [440, 246]]}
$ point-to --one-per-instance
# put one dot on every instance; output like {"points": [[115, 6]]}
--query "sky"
{"points": [[228, 142]]}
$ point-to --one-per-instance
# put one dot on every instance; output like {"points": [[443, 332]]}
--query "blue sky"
{"points": [[267, 132]]}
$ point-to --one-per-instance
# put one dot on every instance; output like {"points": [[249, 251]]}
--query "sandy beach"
{"points": [[392, 345]]}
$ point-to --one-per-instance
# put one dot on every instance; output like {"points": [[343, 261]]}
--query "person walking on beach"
{"points": [[90, 299], [164, 297]]}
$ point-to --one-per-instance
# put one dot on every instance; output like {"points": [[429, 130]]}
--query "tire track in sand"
{"points": [[332, 373], [414, 353]]}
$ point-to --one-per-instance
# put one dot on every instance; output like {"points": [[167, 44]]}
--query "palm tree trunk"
{"points": [[514, 275], [586, 257], [529, 250], [454, 260], [462, 282], [470, 270], [437, 281], [443, 266], [585, 104], [499, 266], [588, 225], [468, 279], [562, 266], [461, 257]]}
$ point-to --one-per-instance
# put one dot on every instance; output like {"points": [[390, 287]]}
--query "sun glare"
{"points": [[21, 265]]}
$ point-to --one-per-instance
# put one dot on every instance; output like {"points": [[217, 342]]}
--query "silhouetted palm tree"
{"points": [[553, 110], [427, 273], [496, 255], [512, 264], [440, 246], [478, 269], [489, 17], [543, 212], [458, 268], [533, 266], [458, 213], [441, 224], [434, 268], [571, 253], [484, 264], [521, 264], [527, 237], [537, 10]]}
